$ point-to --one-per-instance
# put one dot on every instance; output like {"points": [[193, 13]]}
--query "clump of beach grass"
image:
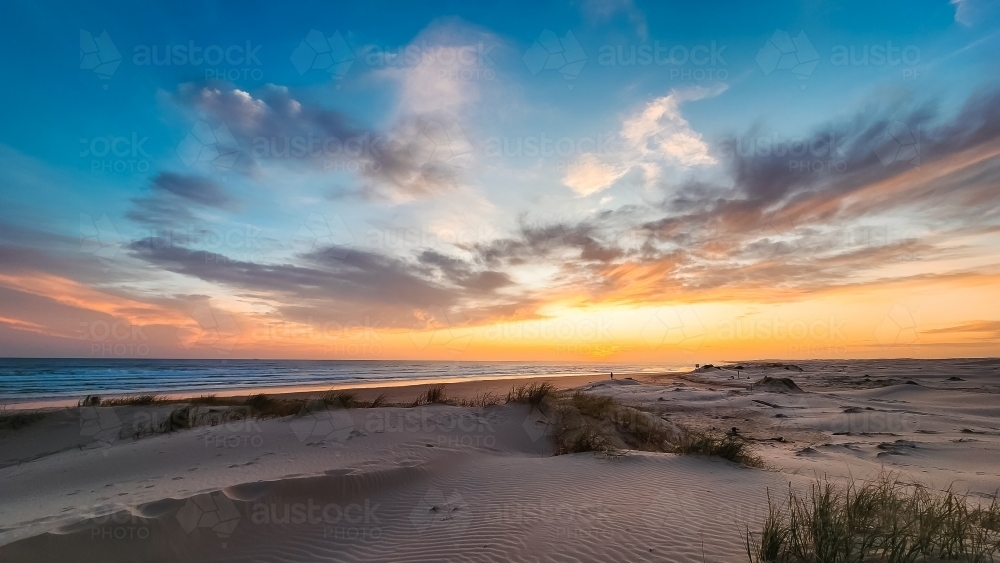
{"points": [[350, 400], [19, 419], [731, 447], [881, 520], [533, 394], [435, 395], [131, 401], [587, 422]]}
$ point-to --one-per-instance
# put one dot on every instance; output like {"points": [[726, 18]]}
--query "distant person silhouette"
{"points": [[612, 375]]}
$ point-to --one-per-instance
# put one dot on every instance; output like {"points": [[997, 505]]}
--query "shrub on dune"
{"points": [[881, 520]]}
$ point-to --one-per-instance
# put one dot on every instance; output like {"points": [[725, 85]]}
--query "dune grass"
{"points": [[435, 395], [585, 422], [731, 447], [881, 520], [124, 401], [19, 419], [533, 394], [595, 423]]}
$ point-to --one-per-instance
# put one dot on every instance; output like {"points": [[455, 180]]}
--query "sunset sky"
{"points": [[602, 180]]}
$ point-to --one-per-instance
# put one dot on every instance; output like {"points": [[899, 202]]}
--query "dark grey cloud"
{"points": [[418, 156], [174, 199], [326, 284], [194, 188]]}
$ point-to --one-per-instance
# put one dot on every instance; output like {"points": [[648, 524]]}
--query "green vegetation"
{"points": [[533, 394], [18, 420], [731, 447], [882, 520]]}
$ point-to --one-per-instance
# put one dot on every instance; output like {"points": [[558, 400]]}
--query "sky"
{"points": [[600, 180]]}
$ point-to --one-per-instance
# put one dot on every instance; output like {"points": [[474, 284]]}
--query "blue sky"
{"points": [[641, 104]]}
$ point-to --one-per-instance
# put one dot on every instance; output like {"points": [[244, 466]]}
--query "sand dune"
{"points": [[440, 482]]}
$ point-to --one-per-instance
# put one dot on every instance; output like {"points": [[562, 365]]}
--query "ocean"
{"points": [[38, 379]]}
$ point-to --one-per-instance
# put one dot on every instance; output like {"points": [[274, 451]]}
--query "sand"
{"points": [[439, 482]]}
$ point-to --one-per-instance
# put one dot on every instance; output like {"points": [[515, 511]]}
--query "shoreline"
{"points": [[395, 390]]}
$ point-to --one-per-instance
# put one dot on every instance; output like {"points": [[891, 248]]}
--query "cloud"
{"points": [[588, 175], [194, 188], [652, 139], [972, 12], [777, 225], [600, 11], [175, 199]]}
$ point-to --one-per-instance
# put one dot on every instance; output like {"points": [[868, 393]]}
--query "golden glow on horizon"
{"points": [[917, 317]]}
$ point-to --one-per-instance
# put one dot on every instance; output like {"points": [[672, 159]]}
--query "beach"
{"points": [[414, 481]]}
